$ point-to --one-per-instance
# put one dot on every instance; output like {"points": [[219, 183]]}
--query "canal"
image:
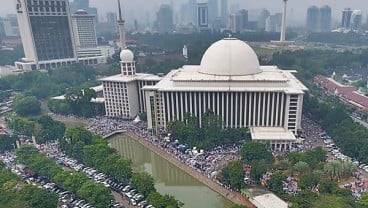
{"points": [[169, 179]]}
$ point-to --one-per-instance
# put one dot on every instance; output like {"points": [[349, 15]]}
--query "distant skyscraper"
{"points": [[85, 29], [356, 19], [202, 15], [164, 19], [313, 19], [262, 18], [212, 11], [235, 23], [244, 18], [46, 31], [273, 23], [84, 4], [224, 12], [346, 18], [112, 18], [325, 18]]}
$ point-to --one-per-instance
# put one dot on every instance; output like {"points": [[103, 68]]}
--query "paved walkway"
{"points": [[235, 197]]}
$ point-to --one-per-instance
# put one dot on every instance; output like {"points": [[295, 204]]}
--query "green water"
{"points": [[169, 179]]}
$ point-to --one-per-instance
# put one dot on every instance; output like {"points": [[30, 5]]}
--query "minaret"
{"points": [[283, 23], [121, 23]]}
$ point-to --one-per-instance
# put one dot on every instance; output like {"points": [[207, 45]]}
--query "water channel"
{"points": [[169, 179]]}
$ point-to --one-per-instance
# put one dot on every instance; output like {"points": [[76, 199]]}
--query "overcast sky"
{"points": [[139, 8]]}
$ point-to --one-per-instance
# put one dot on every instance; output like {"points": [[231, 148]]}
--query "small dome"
{"points": [[230, 57], [126, 55]]}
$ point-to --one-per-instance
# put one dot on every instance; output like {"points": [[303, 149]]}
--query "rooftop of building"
{"points": [[271, 133], [131, 78]]}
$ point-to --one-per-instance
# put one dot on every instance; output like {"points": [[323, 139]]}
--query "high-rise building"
{"points": [[212, 11], [273, 23], [346, 18], [313, 17], [325, 18], [164, 19], [84, 4], [85, 29], [235, 23], [264, 14], [46, 32], [283, 22], [224, 12], [202, 15], [356, 20], [48, 36], [244, 18], [112, 18], [7, 29]]}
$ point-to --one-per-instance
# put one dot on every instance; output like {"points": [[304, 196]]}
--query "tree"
{"points": [[275, 182], [233, 174], [307, 181], [144, 183], [364, 201], [258, 169], [96, 194], [74, 181], [254, 151], [301, 167], [334, 169], [39, 198], [166, 201], [26, 105]]}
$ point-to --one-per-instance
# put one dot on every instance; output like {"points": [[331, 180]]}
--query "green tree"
{"points": [[307, 181], [334, 170], [26, 105], [258, 169], [39, 198], [275, 183], [233, 174], [96, 194], [301, 167], [255, 151], [144, 183], [74, 181]]}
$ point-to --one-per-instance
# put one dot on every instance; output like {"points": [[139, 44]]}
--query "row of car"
{"points": [[126, 191]]}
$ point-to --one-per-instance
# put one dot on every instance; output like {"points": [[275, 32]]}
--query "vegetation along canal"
{"points": [[169, 179]]}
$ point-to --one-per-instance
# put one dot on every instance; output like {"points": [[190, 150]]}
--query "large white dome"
{"points": [[230, 57], [126, 55]]}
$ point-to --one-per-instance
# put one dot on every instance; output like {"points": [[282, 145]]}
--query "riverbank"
{"points": [[234, 197]]}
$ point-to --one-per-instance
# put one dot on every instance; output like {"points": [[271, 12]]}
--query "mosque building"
{"points": [[229, 81]]}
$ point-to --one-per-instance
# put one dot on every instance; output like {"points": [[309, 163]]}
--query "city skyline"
{"points": [[297, 8]]}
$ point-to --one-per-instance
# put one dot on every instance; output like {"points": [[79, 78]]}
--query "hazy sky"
{"points": [[139, 8]]}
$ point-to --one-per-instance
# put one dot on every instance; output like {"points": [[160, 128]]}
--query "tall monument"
{"points": [[283, 23], [121, 23]]}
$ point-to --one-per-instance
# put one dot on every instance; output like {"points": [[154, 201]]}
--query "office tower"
{"points": [[202, 15], [84, 4], [346, 18], [46, 32], [244, 18], [164, 19], [112, 18], [356, 20], [273, 23], [235, 22], [85, 30], [283, 22], [224, 12], [325, 18], [262, 18], [313, 17], [7, 29], [212, 11]]}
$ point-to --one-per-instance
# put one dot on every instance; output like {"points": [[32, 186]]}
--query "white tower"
{"points": [[121, 23], [283, 23], [127, 63], [185, 52]]}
